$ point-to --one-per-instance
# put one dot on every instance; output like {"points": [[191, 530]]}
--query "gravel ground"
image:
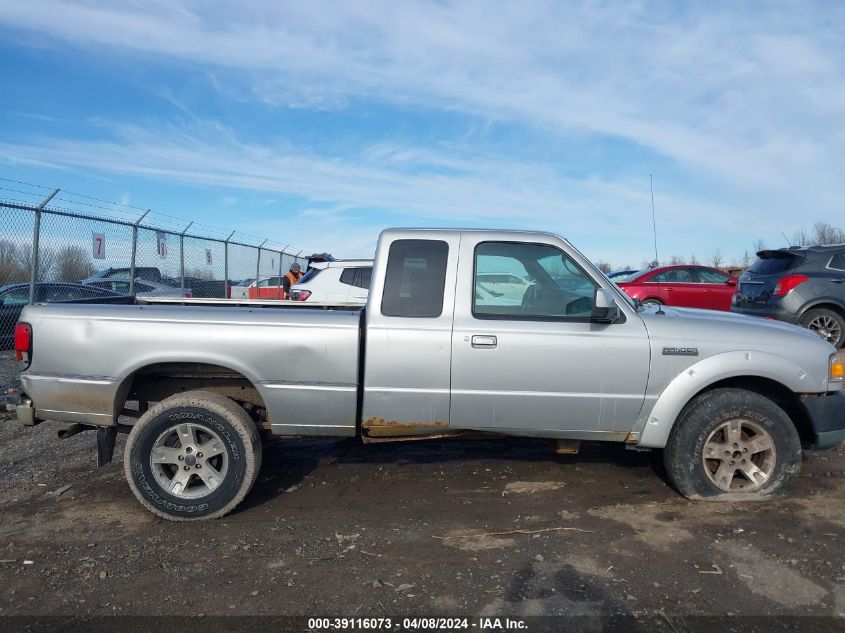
{"points": [[500, 527]]}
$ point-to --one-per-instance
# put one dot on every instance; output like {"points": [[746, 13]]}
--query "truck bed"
{"points": [[85, 357]]}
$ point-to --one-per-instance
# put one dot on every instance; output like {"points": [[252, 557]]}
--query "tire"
{"points": [[172, 477], [652, 302], [826, 323], [734, 419]]}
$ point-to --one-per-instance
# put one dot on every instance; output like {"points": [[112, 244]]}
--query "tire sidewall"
{"points": [[686, 465], [147, 485], [817, 312]]}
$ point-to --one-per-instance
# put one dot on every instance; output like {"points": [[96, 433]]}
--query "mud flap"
{"points": [[106, 438]]}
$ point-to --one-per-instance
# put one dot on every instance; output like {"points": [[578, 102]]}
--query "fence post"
{"points": [[134, 252], [296, 257], [33, 264], [258, 269], [279, 287], [182, 257], [226, 266]]}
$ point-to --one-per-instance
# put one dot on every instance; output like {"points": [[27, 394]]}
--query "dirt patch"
{"points": [[531, 487], [767, 577]]}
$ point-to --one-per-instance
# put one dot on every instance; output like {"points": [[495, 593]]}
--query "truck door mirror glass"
{"points": [[605, 310]]}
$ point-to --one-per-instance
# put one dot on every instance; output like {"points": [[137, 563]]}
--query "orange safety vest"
{"points": [[292, 277]]}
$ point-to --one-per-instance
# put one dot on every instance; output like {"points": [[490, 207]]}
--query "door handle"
{"points": [[484, 342], [837, 281]]}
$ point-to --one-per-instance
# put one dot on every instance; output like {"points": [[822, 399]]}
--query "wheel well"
{"points": [[780, 394], [826, 306], [158, 381]]}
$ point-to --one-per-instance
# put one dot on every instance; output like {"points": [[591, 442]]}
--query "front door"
{"points": [[529, 360]]}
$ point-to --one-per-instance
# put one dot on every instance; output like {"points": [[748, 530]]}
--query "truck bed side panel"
{"points": [[303, 363]]}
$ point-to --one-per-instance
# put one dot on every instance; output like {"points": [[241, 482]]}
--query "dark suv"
{"points": [[800, 285]]}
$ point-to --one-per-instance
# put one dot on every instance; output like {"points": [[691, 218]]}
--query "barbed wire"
{"points": [[174, 224]]}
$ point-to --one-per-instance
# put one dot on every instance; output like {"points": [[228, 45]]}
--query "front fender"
{"points": [[655, 425]]}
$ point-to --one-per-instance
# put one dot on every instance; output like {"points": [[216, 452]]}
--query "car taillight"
{"points": [[23, 344], [300, 295], [787, 283]]}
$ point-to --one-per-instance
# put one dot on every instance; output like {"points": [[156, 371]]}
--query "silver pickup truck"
{"points": [[465, 332]]}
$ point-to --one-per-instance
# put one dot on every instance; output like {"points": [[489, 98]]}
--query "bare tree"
{"points": [[10, 268], [758, 245], [828, 234], [693, 260], [676, 260], [46, 262], [716, 258], [72, 264], [800, 237], [746, 259]]}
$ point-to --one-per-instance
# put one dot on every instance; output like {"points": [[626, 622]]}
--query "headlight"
{"points": [[837, 369]]}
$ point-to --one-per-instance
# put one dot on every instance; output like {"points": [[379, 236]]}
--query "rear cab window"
{"points": [[415, 279]]}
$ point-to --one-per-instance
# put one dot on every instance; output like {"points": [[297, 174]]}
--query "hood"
{"points": [[713, 332]]}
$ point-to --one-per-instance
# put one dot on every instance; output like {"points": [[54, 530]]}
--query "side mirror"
{"points": [[731, 281], [605, 310]]}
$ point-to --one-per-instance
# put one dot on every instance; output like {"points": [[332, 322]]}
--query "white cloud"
{"points": [[747, 99]]}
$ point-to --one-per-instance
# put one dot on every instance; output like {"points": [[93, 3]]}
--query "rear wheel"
{"points": [[730, 444], [826, 323], [192, 456], [652, 302]]}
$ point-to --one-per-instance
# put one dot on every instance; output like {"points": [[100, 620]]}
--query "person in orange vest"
{"points": [[290, 278]]}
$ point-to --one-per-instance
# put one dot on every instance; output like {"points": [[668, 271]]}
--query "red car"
{"points": [[682, 286]]}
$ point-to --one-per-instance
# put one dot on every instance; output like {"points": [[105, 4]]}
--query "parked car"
{"points": [[731, 401], [335, 281], [266, 288], [14, 297], [150, 273], [682, 286], [799, 285], [143, 288], [240, 289]]}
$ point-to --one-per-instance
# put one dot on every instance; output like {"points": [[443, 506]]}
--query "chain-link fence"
{"points": [[54, 253]]}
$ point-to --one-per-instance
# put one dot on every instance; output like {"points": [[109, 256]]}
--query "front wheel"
{"points": [[194, 455], [652, 302], [731, 444], [826, 323]]}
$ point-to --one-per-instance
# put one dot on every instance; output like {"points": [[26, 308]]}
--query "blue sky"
{"points": [[320, 123]]}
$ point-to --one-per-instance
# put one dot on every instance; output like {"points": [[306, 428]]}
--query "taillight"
{"points": [[787, 283], [23, 344], [300, 295], [188, 294]]}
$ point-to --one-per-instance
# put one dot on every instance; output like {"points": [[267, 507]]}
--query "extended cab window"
{"points": [[415, 278], [514, 280]]}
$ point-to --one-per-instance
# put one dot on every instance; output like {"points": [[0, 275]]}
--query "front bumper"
{"points": [[827, 417]]}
